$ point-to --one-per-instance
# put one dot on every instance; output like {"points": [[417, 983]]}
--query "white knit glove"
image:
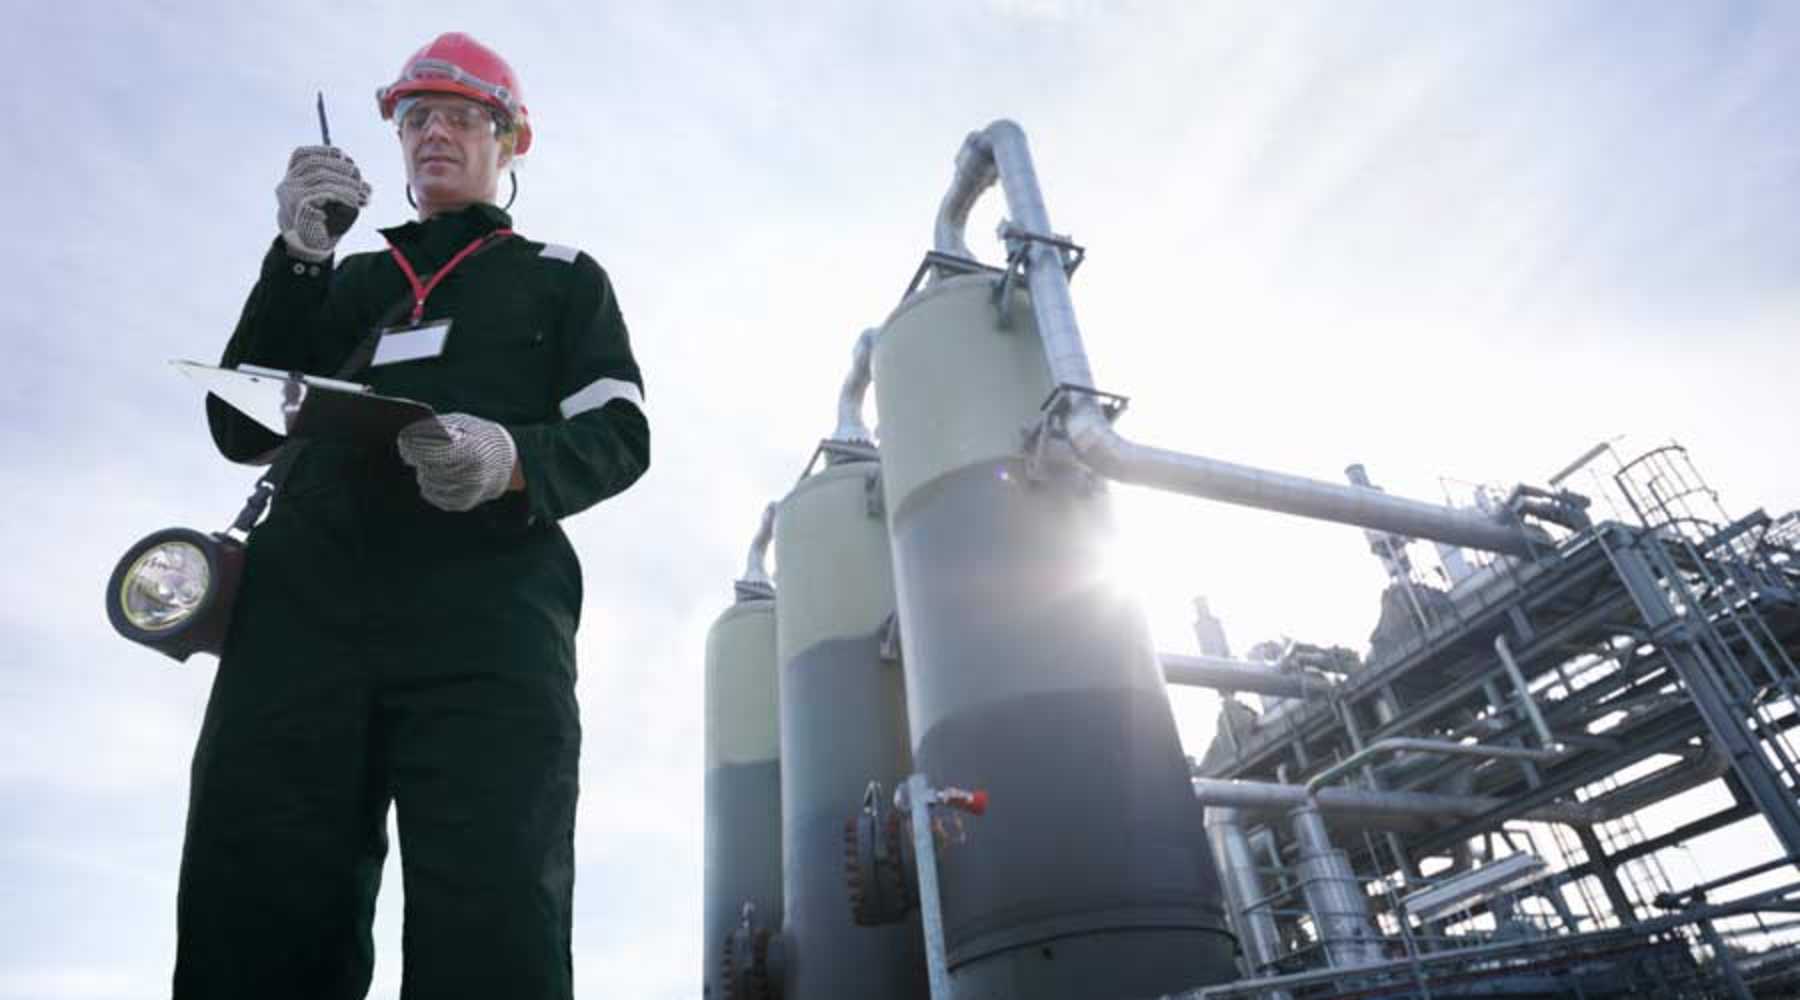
{"points": [[470, 466], [316, 176]]}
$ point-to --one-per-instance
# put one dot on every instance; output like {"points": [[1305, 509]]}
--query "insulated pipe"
{"points": [[1263, 797], [1248, 908], [1399, 744], [1113, 456], [999, 152], [1340, 908], [756, 565], [1239, 675], [850, 426], [975, 173]]}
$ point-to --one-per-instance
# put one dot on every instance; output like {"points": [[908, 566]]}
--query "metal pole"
{"points": [[1722, 955], [931, 914], [1518, 679], [1608, 876]]}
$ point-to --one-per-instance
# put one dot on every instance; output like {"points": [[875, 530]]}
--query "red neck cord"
{"points": [[422, 289]]}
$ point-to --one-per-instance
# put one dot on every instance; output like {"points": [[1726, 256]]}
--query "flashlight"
{"points": [[174, 589]]}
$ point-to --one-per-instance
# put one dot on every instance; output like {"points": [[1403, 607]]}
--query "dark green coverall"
{"points": [[384, 650]]}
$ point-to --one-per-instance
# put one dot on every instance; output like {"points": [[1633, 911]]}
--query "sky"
{"points": [[1458, 243]]}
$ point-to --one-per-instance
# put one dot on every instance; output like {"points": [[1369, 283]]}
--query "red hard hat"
{"points": [[454, 63]]}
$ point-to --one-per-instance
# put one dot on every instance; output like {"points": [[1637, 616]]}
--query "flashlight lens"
{"points": [[165, 585]]}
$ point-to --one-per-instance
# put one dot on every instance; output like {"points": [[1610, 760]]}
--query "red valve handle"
{"points": [[975, 802]]}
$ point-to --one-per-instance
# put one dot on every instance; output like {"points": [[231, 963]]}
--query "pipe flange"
{"points": [[878, 863], [746, 970]]}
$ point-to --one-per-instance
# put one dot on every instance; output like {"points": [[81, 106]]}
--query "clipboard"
{"points": [[310, 406]]}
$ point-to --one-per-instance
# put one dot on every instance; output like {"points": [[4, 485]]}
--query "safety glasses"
{"points": [[415, 114]]}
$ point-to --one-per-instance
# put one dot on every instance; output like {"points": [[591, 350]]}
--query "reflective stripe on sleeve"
{"points": [[556, 251], [600, 392]]}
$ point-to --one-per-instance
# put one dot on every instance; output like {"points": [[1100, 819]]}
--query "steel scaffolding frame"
{"points": [[1670, 642]]}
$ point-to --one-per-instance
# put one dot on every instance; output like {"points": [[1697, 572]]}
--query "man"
{"points": [[406, 626]]}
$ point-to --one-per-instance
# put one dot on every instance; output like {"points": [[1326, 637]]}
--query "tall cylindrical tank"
{"points": [[843, 724], [743, 778], [1027, 675]]}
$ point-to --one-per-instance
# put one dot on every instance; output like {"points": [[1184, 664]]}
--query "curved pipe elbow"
{"points": [[1000, 154], [977, 169], [850, 425], [756, 583]]}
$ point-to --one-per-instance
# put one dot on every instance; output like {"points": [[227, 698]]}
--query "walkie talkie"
{"points": [[338, 216]]}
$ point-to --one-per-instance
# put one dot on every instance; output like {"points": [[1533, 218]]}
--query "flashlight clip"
{"points": [[265, 489], [254, 506]]}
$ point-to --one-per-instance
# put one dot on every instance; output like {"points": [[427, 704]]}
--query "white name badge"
{"points": [[411, 343]]}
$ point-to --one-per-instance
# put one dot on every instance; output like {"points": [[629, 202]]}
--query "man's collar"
{"points": [[469, 223]]}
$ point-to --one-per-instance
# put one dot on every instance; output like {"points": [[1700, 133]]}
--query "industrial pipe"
{"points": [[1340, 908], [999, 152], [756, 582], [1227, 674], [1400, 744], [1270, 797], [1251, 917], [850, 425], [1564, 508]]}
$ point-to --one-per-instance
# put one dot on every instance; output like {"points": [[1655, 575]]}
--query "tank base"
{"points": [[1121, 965]]}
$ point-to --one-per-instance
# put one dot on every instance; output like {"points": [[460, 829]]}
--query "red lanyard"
{"points": [[422, 289]]}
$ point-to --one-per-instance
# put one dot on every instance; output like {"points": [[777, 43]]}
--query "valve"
{"points": [[948, 829], [974, 803]]}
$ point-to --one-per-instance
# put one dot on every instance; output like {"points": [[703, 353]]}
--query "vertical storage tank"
{"points": [[1089, 877], [843, 724], [743, 778]]}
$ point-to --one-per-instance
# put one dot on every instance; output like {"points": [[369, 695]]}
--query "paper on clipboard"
{"points": [[308, 406]]}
